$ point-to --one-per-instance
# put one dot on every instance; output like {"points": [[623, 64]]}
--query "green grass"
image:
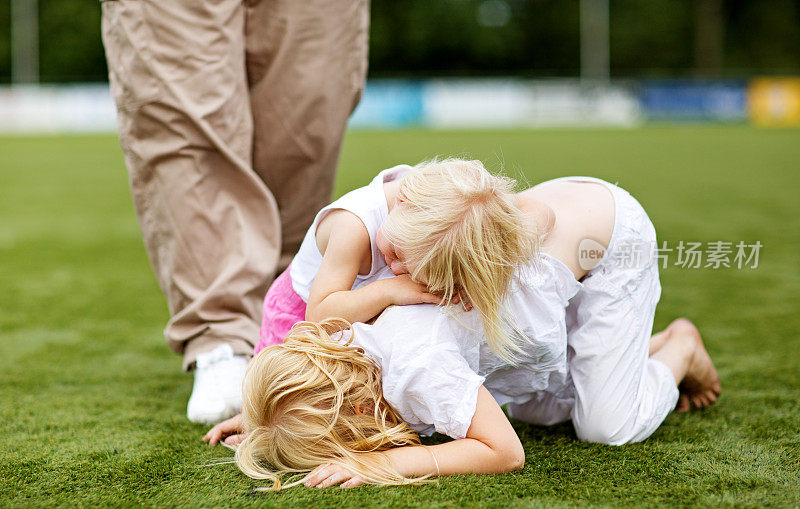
{"points": [[92, 401]]}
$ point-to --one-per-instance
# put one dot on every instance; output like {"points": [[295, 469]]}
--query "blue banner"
{"points": [[694, 100]]}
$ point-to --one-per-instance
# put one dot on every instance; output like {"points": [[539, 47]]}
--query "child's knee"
{"points": [[598, 433], [683, 327], [600, 426]]}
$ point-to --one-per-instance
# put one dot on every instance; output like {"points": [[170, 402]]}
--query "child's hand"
{"points": [[327, 475], [231, 428], [403, 291], [459, 298]]}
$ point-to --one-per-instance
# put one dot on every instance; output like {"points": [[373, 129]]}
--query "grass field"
{"points": [[92, 402]]}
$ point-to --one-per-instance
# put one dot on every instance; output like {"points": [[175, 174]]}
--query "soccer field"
{"points": [[92, 402]]}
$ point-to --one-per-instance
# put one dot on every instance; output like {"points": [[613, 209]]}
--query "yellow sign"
{"points": [[774, 101]]}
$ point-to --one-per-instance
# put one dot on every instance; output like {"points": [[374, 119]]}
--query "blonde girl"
{"points": [[447, 229], [316, 401]]}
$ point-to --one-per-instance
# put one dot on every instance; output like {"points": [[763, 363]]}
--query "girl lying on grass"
{"points": [[345, 404]]}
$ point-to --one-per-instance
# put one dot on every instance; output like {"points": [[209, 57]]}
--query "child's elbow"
{"points": [[313, 314], [514, 459], [518, 461]]}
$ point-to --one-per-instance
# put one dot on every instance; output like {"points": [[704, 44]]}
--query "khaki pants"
{"points": [[231, 117]]}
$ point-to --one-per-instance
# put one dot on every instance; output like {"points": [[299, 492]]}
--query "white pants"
{"points": [[620, 395]]}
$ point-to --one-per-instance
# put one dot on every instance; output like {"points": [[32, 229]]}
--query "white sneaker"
{"points": [[217, 392]]}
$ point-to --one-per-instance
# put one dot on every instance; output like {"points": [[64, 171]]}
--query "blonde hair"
{"points": [[313, 400], [459, 231]]}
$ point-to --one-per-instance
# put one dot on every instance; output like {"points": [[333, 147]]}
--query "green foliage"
{"points": [[92, 401], [650, 36], [451, 37], [764, 36], [70, 45], [445, 37], [5, 41]]}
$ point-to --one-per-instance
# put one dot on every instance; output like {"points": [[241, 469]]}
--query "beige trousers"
{"points": [[231, 118]]}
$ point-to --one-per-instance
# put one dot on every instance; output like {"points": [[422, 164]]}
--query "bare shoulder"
{"points": [[582, 209], [346, 228], [584, 206]]}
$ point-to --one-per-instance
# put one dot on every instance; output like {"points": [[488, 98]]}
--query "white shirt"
{"points": [[434, 359]]}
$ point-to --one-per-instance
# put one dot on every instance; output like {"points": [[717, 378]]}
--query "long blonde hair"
{"points": [[459, 231], [313, 400]]}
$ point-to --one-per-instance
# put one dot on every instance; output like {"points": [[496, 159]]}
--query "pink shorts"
{"points": [[282, 309]]}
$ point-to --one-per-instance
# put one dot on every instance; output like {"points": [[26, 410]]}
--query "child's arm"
{"points": [[346, 248], [490, 447]]}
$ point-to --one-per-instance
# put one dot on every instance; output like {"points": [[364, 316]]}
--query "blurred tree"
{"points": [[70, 48], [467, 37], [709, 42], [498, 37], [764, 36], [5, 41], [650, 37]]}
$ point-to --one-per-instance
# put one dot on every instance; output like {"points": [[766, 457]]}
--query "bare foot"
{"points": [[701, 385]]}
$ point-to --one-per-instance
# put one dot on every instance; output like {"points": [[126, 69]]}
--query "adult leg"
{"points": [[306, 65], [209, 223]]}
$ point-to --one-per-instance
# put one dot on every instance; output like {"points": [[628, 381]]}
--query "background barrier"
{"points": [[467, 103], [775, 101]]}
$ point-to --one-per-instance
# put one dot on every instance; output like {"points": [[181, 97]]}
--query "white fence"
{"points": [[433, 103], [529, 104], [57, 109]]}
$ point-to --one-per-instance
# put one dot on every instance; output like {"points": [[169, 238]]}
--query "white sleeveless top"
{"points": [[369, 204]]}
